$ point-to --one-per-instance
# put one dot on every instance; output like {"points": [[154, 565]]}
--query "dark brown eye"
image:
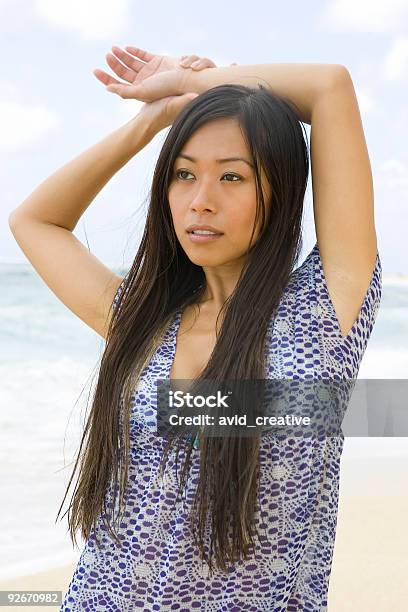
{"points": [[234, 175], [178, 172]]}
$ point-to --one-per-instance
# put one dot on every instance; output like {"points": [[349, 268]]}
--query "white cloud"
{"points": [[393, 173], [393, 165], [93, 19], [396, 60], [9, 89], [5, 4], [365, 15], [22, 126], [365, 101], [118, 113]]}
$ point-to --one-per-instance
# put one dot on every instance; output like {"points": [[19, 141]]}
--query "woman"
{"points": [[230, 306]]}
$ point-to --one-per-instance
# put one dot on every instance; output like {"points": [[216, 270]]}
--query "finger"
{"points": [[188, 60], [104, 77], [126, 91], [202, 63], [122, 71], [140, 53], [128, 60]]}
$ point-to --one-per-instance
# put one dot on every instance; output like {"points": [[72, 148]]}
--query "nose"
{"points": [[202, 200]]}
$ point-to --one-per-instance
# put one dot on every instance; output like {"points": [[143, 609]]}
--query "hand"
{"points": [[162, 113], [139, 66], [149, 76]]}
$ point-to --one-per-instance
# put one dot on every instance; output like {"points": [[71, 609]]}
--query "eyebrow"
{"points": [[219, 161]]}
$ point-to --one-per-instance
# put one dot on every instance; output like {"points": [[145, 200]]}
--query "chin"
{"points": [[204, 259]]}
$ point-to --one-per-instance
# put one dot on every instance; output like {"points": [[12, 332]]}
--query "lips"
{"points": [[198, 233], [209, 228], [203, 238]]}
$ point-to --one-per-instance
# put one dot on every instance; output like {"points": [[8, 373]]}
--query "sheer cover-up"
{"points": [[158, 568]]}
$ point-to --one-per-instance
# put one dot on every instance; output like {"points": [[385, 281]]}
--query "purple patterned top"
{"points": [[158, 568]]}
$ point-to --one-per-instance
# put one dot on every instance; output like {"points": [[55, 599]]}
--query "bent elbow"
{"points": [[12, 220], [339, 76]]}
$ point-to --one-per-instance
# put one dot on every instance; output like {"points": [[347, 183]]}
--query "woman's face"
{"points": [[217, 193]]}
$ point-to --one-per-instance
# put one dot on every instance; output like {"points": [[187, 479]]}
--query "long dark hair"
{"points": [[161, 280]]}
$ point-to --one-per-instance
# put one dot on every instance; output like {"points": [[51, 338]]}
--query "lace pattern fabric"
{"points": [[158, 568]]}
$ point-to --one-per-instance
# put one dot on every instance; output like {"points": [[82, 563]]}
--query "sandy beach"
{"points": [[52, 580], [370, 562]]}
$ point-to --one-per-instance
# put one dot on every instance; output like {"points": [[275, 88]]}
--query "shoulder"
{"points": [[310, 289]]}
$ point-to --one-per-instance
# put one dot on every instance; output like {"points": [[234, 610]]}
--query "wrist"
{"points": [[188, 81], [140, 131]]}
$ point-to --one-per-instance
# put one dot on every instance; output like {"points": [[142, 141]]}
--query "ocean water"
{"points": [[48, 365]]}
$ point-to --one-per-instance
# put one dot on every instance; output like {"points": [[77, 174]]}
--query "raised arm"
{"points": [[343, 198], [43, 225], [303, 84]]}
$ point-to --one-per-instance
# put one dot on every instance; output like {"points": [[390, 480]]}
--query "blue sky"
{"points": [[53, 108]]}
